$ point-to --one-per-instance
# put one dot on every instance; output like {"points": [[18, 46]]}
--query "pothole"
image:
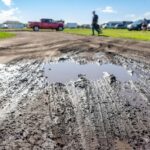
{"points": [[65, 71]]}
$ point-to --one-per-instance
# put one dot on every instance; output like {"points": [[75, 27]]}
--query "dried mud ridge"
{"points": [[42, 44], [81, 115]]}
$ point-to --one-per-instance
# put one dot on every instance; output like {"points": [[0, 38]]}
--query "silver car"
{"points": [[148, 27]]}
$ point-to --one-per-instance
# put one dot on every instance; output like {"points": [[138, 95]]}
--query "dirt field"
{"points": [[111, 112]]}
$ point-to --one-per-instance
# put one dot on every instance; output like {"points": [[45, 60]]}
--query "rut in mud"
{"points": [[102, 113]]}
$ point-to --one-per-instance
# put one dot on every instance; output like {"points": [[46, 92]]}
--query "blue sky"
{"points": [[74, 10]]}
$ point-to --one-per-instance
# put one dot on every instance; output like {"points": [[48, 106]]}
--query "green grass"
{"points": [[116, 33], [4, 35]]}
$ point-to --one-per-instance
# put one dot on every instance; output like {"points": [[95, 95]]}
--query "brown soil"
{"points": [[41, 44], [101, 114]]}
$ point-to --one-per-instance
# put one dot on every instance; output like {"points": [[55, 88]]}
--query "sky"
{"points": [[79, 11]]}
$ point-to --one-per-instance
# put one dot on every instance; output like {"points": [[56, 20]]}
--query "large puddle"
{"points": [[69, 70]]}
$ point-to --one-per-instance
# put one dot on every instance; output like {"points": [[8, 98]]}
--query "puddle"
{"points": [[66, 71]]}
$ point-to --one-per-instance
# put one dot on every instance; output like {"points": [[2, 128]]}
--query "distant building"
{"points": [[71, 25], [13, 25]]}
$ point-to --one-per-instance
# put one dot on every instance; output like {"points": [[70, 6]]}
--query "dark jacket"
{"points": [[95, 19]]}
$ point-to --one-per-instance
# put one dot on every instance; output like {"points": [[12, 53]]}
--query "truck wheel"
{"points": [[60, 29], [36, 28]]}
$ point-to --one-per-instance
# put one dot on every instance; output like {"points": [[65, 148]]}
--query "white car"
{"points": [[104, 26], [4, 26], [148, 26]]}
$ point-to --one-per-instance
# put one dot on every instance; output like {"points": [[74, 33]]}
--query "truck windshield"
{"points": [[47, 20]]}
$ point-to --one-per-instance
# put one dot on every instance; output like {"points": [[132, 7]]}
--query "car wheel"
{"points": [[60, 29], [36, 28]]}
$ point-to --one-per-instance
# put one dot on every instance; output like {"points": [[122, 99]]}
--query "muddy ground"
{"points": [[82, 114]]}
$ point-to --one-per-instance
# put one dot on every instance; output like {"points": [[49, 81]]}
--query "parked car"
{"points": [[104, 26], [4, 26], [116, 24], [46, 24], [137, 25], [126, 23], [148, 27], [120, 26], [111, 24]]}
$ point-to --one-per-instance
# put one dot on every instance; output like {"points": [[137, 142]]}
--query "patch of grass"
{"points": [[4, 35], [19, 29], [116, 33]]}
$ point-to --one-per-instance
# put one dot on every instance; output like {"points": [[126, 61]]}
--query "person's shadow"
{"points": [[103, 35]]}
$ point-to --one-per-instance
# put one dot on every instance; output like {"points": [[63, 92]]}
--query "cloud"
{"points": [[138, 17], [107, 9], [147, 15], [132, 17], [7, 2], [10, 14]]}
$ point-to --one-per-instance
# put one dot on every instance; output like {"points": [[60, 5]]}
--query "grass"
{"points": [[4, 35], [116, 33]]}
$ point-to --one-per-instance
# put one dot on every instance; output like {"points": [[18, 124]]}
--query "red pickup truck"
{"points": [[46, 24]]}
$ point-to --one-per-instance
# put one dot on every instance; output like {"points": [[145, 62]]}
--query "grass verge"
{"points": [[116, 33], [4, 35]]}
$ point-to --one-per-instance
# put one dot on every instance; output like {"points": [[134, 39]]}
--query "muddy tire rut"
{"points": [[82, 114]]}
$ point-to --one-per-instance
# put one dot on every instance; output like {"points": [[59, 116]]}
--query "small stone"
{"points": [[24, 80], [130, 72]]}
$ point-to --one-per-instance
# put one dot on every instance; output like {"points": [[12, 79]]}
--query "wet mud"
{"points": [[67, 92], [103, 104]]}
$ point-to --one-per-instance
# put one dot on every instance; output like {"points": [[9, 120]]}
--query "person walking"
{"points": [[95, 25]]}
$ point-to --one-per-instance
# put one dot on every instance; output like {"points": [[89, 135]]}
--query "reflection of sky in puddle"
{"points": [[68, 70]]}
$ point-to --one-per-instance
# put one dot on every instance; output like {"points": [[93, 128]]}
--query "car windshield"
{"points": [[138, 22], [148, 21]]}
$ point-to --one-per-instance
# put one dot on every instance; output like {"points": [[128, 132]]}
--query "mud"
{"points": [[101, 112]]}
